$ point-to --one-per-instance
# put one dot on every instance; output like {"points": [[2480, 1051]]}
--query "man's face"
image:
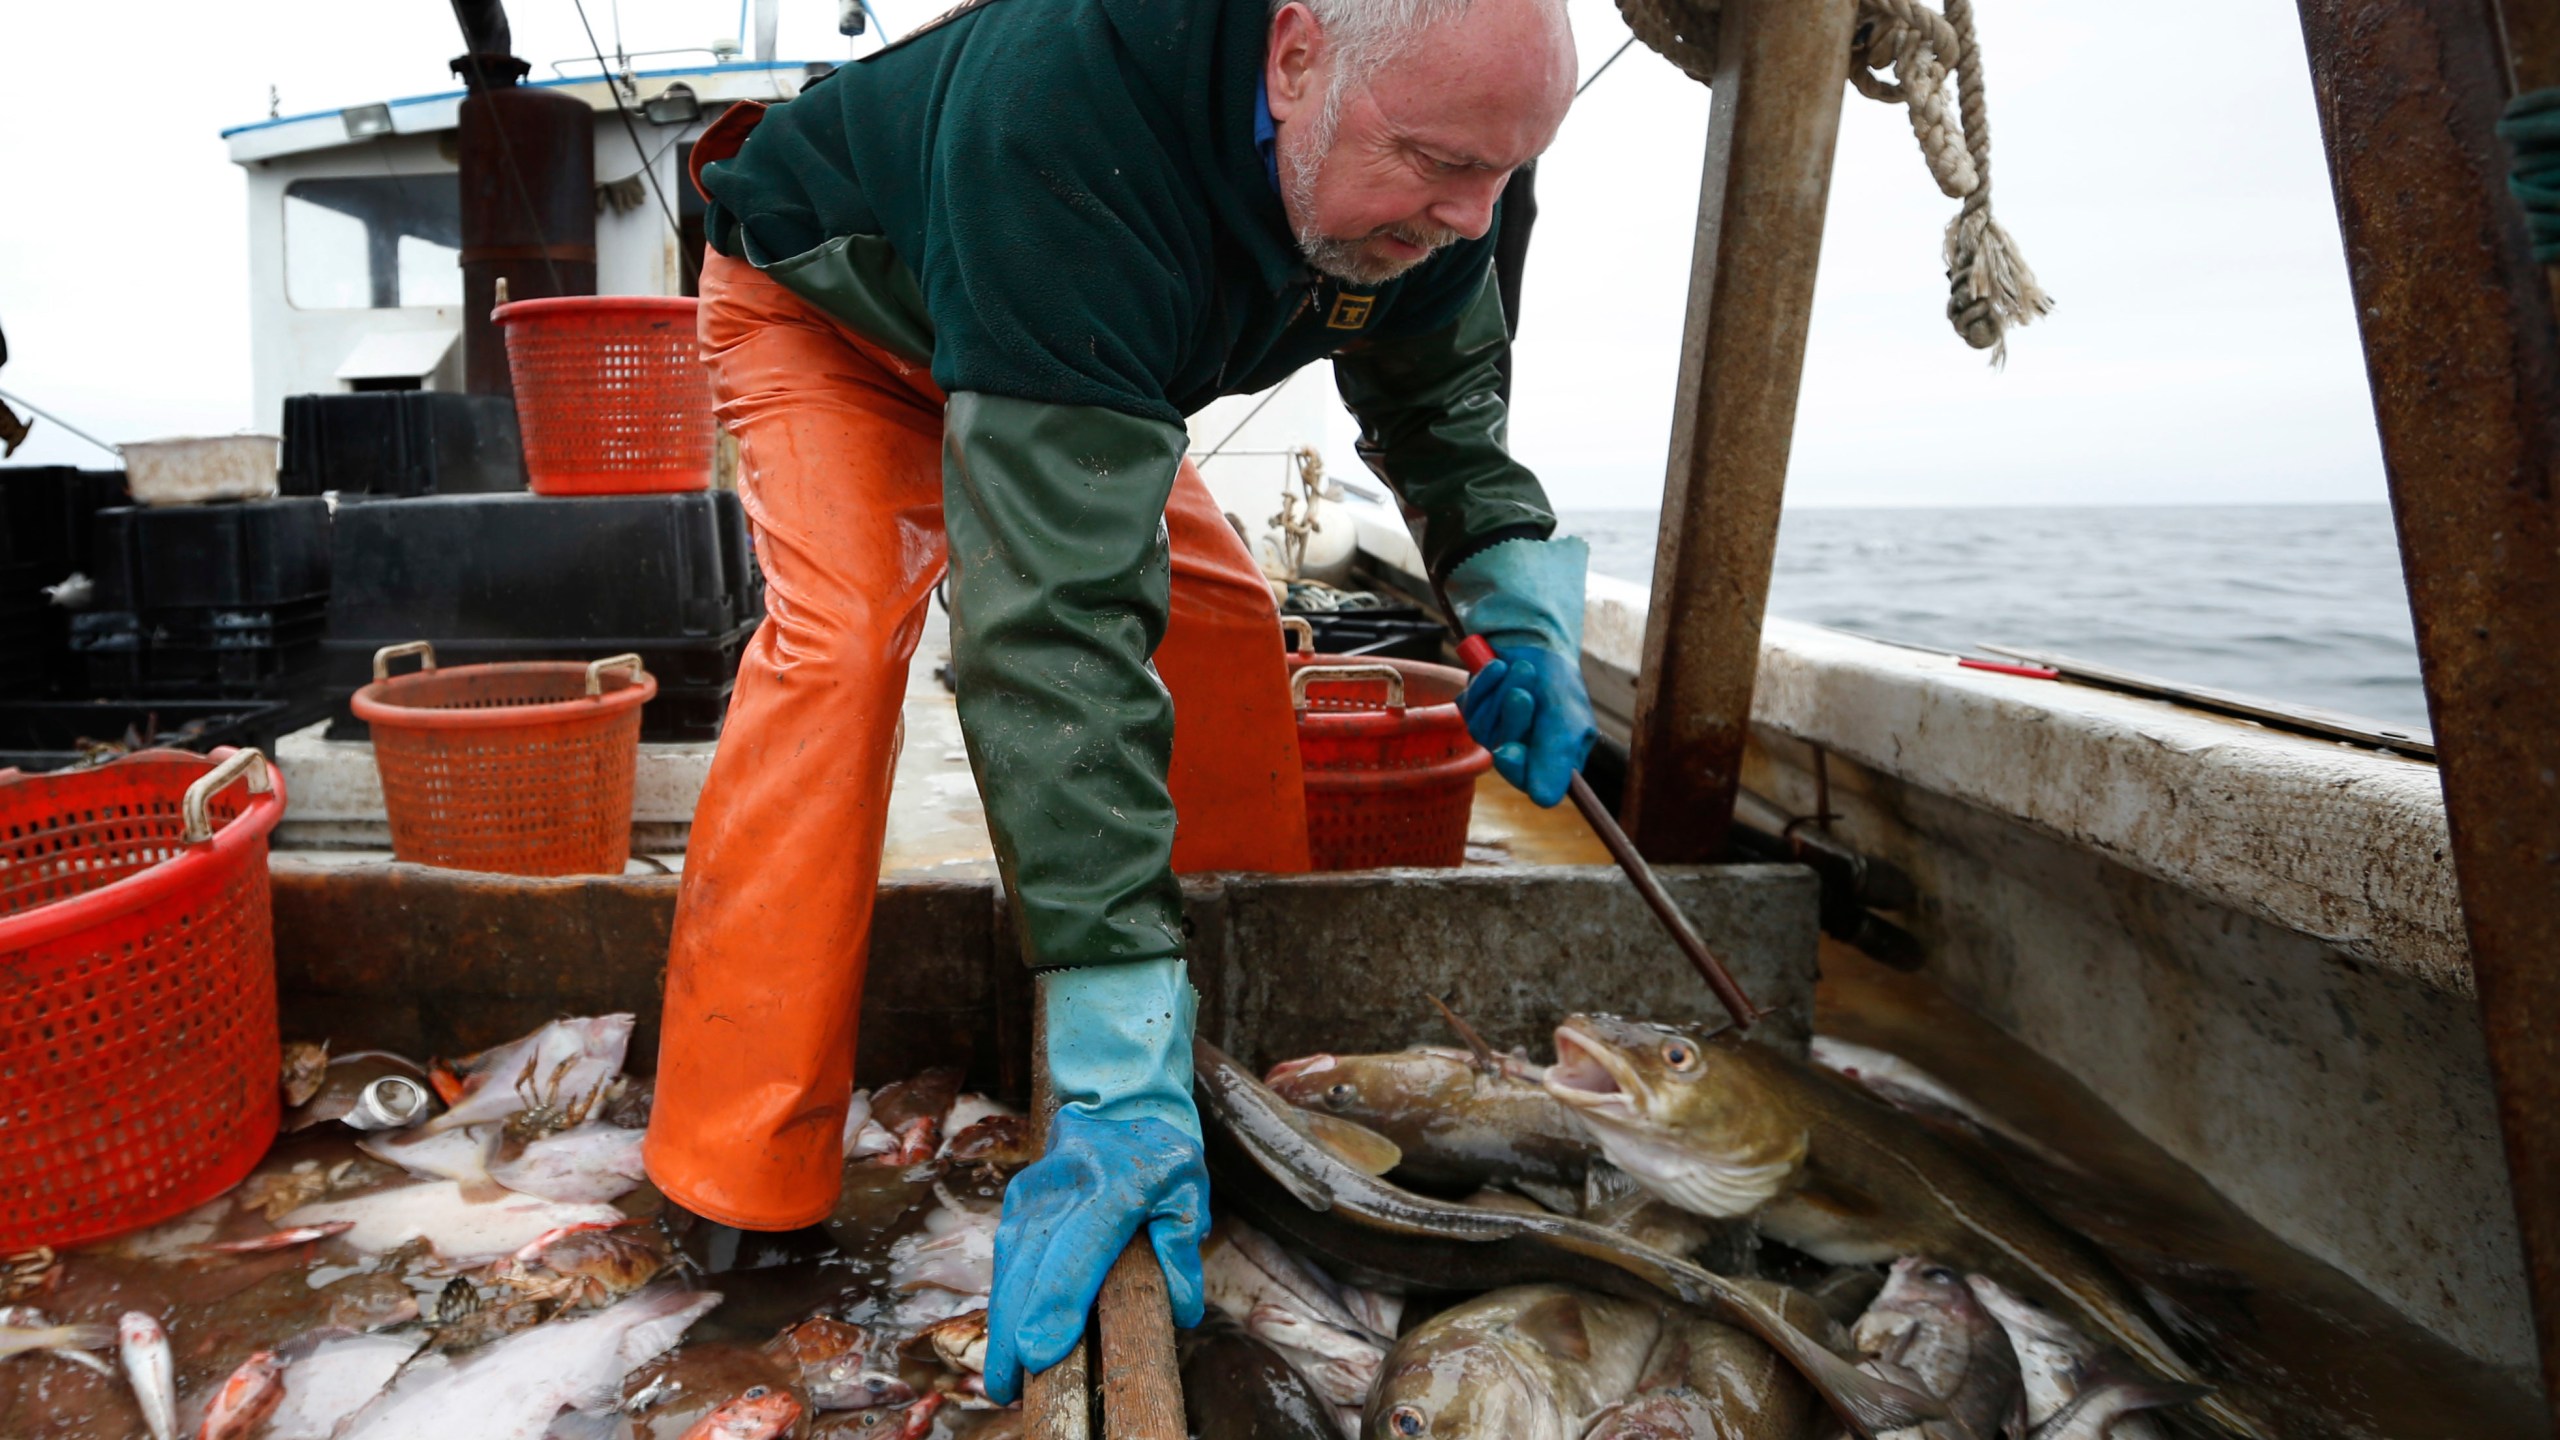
{"points": [[1413, 157]]}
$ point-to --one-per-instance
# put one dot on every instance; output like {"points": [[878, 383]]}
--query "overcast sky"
{"points": [[2204, 349]]}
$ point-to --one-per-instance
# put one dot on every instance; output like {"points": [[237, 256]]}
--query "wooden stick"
{"points": [[1720, 980], [1475, 653], [1057, 1403], [1141, 1388]]}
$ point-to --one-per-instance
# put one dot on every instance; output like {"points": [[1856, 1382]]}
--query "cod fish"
{"points": [[2106, 1410], [1926, 1325], [1295, 1189], [2055, 1361], [1727, 1128], [1914, 1091], [1709, 1381], [1533, 1362], [1461, 1123], [1234, 1387]]}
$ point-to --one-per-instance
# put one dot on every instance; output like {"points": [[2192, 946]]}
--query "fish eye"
{"points": [[1407, 1420], [1938, 1275], [1340, 1095], [1680, 1055]]}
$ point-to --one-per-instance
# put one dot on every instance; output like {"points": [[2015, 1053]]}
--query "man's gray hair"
{"points": [[1363, 36]]}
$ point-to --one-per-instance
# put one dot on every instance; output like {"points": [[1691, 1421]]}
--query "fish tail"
{"points": [[83, 1337], [1869, 1404], [83, 1358]]}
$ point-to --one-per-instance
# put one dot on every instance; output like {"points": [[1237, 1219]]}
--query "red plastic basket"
{"points": [[1390, 769], [137, 991], [611, 393], [520, 769]]}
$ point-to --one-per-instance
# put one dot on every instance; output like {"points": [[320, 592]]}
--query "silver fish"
{"points": [[2055, 1361], [1926, 1324], [144, 1348]]}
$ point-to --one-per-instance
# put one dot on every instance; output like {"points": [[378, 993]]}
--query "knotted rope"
{"points": [[1989, 287]]}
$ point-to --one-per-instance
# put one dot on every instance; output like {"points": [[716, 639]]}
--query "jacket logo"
{"points": [[1350, 312]]}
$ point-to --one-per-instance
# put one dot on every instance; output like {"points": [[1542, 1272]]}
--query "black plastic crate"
{"points": [[46, 515], [250, 553], [401, 443], [568, 568], [48, 734], [1394, 632], [694, 676]]}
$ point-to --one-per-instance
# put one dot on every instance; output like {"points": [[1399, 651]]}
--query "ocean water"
{"points": [[2298, 603]]}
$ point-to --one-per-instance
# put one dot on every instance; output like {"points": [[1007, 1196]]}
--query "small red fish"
{"points": [[281, 1239], [918, 1139], [448, 1085], [246, 1399], [919, 1421], [759, 1413]]}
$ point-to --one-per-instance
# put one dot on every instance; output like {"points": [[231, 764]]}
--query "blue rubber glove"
{"points": [[1529, 707], [1124, 1151]]}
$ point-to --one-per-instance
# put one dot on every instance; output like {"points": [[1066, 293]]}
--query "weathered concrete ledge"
{"points": [[2335, 841], [443, 962]]}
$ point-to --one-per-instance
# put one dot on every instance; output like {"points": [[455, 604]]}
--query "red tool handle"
{"points": [[1475, 654]]}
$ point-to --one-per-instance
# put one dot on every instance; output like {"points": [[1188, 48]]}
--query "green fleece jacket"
{"points": [[1061, 206]]}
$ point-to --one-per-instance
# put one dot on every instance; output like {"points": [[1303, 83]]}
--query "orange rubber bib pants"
{"points": [[840, 467]]}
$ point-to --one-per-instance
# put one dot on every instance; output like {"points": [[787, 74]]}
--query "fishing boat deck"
{"points": [[936, 825]]}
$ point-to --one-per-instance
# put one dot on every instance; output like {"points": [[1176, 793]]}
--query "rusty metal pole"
{"points": [[2463, 354], [1782, 68]]}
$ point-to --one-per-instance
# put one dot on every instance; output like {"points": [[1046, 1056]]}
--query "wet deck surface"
{"points": [[936, 825], [2334, 1360]]}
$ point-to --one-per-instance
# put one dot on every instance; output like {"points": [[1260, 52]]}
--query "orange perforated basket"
{"points": [[137, 990], [611, 393], [1390, 769], [520, 769]]}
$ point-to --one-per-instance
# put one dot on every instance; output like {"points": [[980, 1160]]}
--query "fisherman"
{"points": [[963, 294]]}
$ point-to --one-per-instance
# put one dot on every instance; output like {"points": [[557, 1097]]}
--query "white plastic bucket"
{"points": [[190, 469]]}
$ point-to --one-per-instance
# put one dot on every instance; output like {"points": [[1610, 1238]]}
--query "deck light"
{"points": [[675, 105], [363, 122]]}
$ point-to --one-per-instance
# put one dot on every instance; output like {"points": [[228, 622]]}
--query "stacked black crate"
{"points": [[491, 578], [202, 602], [401, 443], [46, 513]]}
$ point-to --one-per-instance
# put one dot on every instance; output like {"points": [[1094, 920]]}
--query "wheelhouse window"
{"points": [[373, 242]]}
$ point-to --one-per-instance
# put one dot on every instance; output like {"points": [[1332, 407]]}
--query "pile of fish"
{"points": [[472, 1249], [1660, 1234]]}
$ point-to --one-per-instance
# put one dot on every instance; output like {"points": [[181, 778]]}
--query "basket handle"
{"points": [[596, 669], [1388, 673], [1300, 635], [194, 808], [383, 657]]}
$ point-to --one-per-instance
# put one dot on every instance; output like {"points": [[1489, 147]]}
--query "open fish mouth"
{"points": [[1288, 1070], [1591, 1076]]}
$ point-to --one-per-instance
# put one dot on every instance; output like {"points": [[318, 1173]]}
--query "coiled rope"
{"points": [[1989, 286]]}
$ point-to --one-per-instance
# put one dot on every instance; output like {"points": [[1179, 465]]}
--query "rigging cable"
{"points": [[58, 420], [1604, 67], [613, 87]]}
